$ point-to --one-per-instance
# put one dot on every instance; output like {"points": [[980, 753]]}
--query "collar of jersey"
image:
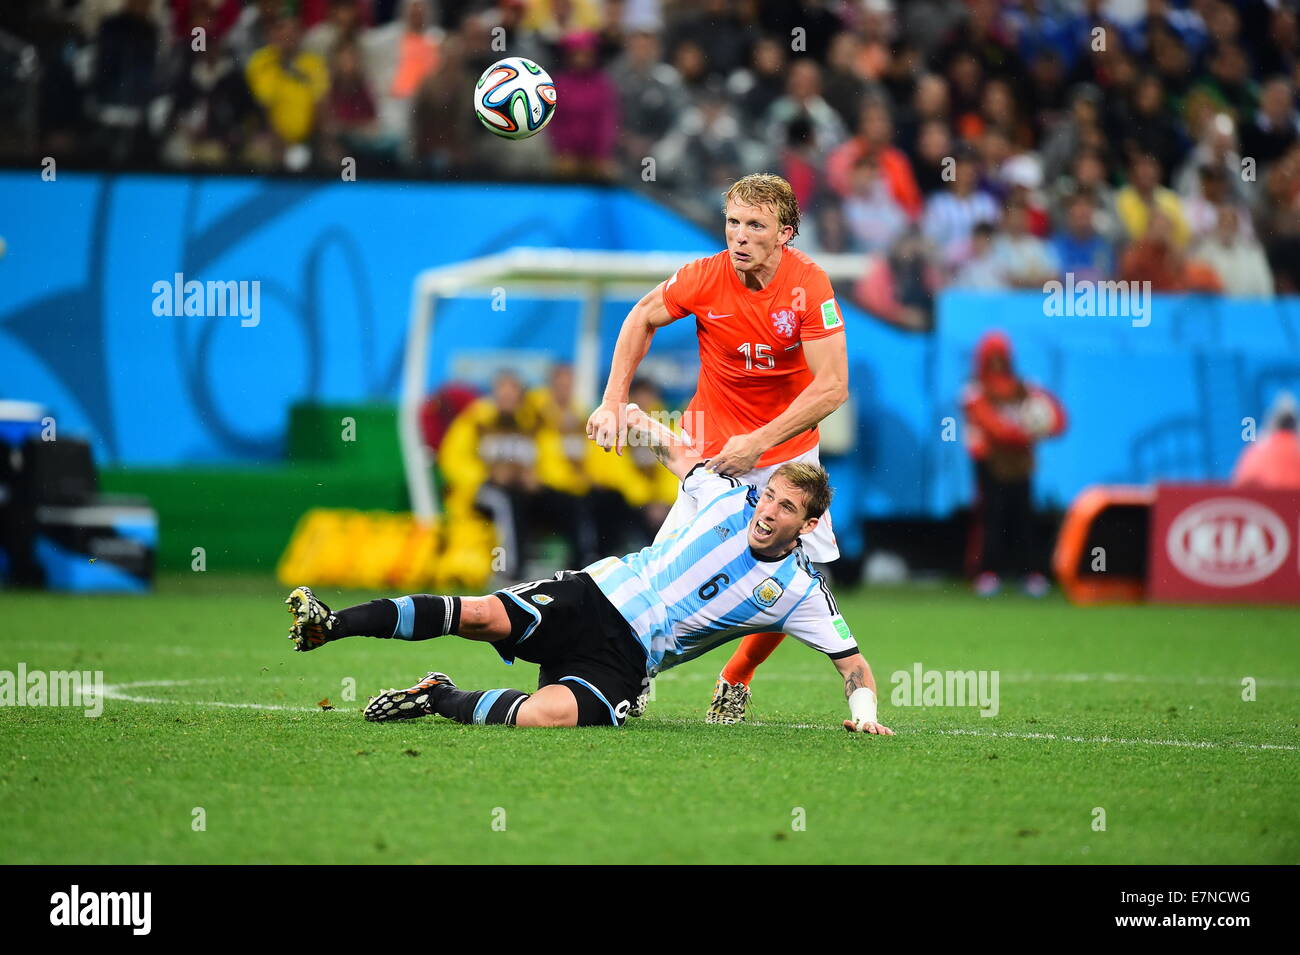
{"points": [[775, 560], [766, 289]]}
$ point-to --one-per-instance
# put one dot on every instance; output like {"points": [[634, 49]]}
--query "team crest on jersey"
{"points": [[768, 592], [784, 322], [723, 531], [542, 599]]}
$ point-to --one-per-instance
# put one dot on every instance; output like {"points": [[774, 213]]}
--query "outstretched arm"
{"points": [[860, 690], [607, 426], [671, 449]]}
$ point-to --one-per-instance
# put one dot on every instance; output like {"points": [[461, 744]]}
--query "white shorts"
{"points": [[820, 545]]}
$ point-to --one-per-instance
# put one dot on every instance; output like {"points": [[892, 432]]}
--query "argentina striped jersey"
{"points": [[702, 585]]}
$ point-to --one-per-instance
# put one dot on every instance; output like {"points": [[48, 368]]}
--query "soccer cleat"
{"points": [[638, 708], [312, 620], [407, 704], [987, 584], [729, 702]]}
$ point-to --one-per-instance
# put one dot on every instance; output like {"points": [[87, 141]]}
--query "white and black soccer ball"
{"points": [[1037, 415], [514, 98]]}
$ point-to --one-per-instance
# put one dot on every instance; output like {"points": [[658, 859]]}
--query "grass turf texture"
{"points": [[315, 786]]}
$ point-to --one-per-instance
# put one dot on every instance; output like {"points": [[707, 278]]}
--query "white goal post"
{"points": [[588, 275]]}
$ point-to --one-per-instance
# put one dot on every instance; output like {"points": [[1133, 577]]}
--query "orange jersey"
{"points": [[752, 364]]}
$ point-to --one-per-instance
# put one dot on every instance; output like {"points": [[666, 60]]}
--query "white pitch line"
{"points": [[672, 677], [114, 693], [1054, 737]]}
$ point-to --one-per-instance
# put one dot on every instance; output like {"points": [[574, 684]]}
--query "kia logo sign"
{"points": [[1227, 542]]}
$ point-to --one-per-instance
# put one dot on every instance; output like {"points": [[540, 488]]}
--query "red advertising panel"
{"points": [[1212, 543]]}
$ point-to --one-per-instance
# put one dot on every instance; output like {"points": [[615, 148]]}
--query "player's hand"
{"points": [[875, 729], [607, 426], [738, 456]]}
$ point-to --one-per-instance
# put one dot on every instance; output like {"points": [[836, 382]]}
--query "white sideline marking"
{"points": [[1054, 737], [114, 692], [1011, 677]]}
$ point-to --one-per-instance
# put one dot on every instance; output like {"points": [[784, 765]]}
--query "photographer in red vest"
{"points": [[1005, 417]]}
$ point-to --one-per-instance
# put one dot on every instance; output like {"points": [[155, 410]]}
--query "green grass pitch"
{"points": [[1136, 711]]}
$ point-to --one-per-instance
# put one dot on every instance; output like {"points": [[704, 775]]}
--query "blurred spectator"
{"points": [[1273, 462], [844, 88], [981, 269], [757, 87], [398, 56], [1280, 224], [341, 25], [1066, 139], [442, 127], [951, 215], [1025, 260], [929, 105], [441, 408], [899, 287], [564, 457], [1158, 258], [1275, 127], [1229, 80], [289, 83], [1202, 206], [1079, 246], [554, 19], [650, 97], [350, 118], [253, 30], [1088, 175], [583, 133], [1005, 418], [932, 160], [873, 216], [803, 103], [1136, 203], [723, 35], [1238, 260], [983, 37], [998, 111], [874, 138], [213, 115], [1216, 148], [1147, 126], [489, 461], [126, 54], [818, 23], [217, 17]]}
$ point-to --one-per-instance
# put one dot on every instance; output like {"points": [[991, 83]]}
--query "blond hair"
{"points": [[813, 480], [765, 189]]}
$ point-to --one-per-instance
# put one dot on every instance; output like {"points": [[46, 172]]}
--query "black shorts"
{"points": [[571, 630]]}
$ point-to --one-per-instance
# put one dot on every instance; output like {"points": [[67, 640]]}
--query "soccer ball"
{"points": [[514, 98], [1037, 416]]}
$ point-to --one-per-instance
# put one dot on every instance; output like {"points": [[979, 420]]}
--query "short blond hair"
{"points": [[765, 189], [813, 480]]}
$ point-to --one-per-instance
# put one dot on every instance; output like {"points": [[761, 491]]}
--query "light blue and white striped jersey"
{"points": [[702, 586]]}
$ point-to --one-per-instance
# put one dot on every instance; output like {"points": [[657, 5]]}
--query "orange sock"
{"points": [[753, 650]]}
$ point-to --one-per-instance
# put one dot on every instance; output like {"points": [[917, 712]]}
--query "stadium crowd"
{"points": [[968, 143]]}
